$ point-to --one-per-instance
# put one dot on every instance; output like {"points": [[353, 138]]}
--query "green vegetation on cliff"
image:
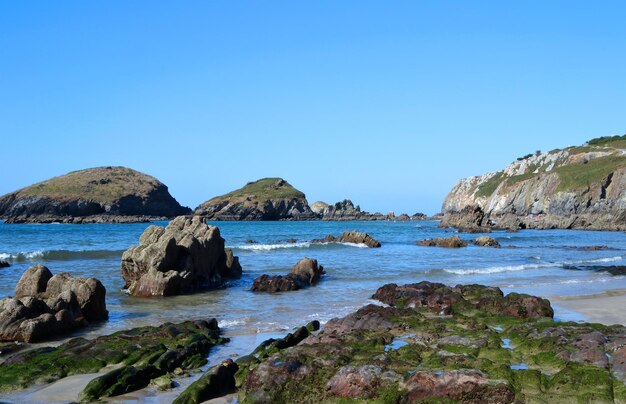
{"points": [[262, 190]]}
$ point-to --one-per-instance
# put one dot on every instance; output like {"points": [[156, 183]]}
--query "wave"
{"points": [[522, 267], [302, 245], [60, 255]]}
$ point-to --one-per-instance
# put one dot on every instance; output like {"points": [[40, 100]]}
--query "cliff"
{"points": [[582, 187], [103, 194], [264, 199]]}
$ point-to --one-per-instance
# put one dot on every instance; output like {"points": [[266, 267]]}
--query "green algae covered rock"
{"points": [[142, 353], [435, 343]]}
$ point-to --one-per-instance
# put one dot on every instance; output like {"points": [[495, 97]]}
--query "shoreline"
{"points": [[597, 308]]}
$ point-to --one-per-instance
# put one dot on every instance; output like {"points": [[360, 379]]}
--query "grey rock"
{"points": [[186, 256]]}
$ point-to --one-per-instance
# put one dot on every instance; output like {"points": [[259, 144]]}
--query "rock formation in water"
{"points": [[186, 256], [580, 187], [345, 210], [355, 237], [45, 306], [95, 195], [264, 199], [305, 273]]}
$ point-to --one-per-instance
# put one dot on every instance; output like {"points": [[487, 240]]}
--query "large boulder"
{"points": [[45, 305], [305, 273], [186, 256], [355, 237]]}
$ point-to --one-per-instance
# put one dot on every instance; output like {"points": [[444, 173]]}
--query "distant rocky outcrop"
{"points": [[264, 199], [306, 272], [355, 237], [186, 256], [95, 195], [45, 305], [345, 210], [581, 187]]}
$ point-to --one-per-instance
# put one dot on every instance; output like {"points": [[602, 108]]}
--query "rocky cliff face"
{"points": [[102, 194], [265, 199], [580, 187]]}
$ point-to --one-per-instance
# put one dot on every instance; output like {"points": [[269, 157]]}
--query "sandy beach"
{"points": [[604, 308]]}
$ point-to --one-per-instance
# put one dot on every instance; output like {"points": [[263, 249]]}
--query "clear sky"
{"points": [[386, 103]]}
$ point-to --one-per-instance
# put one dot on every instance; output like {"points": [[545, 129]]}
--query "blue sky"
{"points": [[386, 103]]}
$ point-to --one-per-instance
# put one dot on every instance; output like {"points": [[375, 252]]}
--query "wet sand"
{"points": [[605, 308]]}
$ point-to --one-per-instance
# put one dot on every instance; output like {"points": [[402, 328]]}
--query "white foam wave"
{"points": [[22, 255], [280, 246], [269, 247], [231, 323], [522, 267]]}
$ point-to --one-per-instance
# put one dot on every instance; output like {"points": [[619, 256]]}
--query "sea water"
{"points": [[529, 261]]}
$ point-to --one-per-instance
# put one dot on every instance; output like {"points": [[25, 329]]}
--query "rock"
{"points": [[486, 241], [571, 188], [443, 299], [216, 382], [45, 306], [356, 382], [455, 385], [354, 237], [186, 256], [305, 273], [264, 199], [449, 242], [33, 281], [410, 354], [103, 194], [4, 264]]}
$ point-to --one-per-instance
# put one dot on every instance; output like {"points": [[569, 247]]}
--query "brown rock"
{"points": [[305, 273], [33, 281], [486, 241], [355, 237], [449, 242], [46, 305]]}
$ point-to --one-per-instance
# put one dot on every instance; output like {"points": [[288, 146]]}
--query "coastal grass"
{"points": [[581, 175], [488, 187], [101, 184], [263, 190]]}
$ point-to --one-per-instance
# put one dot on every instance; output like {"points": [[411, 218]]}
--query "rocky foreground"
{"points": [[428, 343], [579, 187], [95, 195]]}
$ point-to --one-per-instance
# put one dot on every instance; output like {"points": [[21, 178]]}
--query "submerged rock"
{"points": [[355, 237], [4, 264], [448, 242], [306, 272], [186, 256], [45, 306]]}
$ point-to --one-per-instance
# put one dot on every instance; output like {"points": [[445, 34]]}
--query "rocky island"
{"points": [[95, 195], [581, 187], [264, 199]]}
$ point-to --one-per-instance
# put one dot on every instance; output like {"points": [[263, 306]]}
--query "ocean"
{"points": [[536, 262]]}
